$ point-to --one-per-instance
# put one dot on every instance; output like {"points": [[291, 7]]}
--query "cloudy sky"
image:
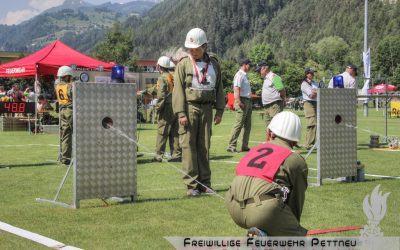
{"points": [[17, 11]]}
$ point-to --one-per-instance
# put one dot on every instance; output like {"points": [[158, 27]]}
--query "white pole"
{"points": [[366, 77], [36, 100]]}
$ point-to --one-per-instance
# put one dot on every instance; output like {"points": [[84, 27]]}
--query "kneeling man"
{"points": [[268, 192]]}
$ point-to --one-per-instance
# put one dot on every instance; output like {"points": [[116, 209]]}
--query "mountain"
{"points": [[134, 7], [71, 4], [77, 23]]}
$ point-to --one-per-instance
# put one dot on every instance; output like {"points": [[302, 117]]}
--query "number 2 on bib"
{"points": [[256, 162]]}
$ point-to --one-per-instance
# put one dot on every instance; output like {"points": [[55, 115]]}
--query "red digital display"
{"points": [[17, 107]]}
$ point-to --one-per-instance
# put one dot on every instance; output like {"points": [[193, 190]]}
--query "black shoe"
{"points": [[245, 149], [66, 162], [231, 150], [193, 193], [208, 191]]}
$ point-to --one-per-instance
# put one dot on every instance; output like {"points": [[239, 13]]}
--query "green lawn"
{"points": [[162, 209]]}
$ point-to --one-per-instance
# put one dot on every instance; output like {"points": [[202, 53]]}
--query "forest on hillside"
{"points": [[326, 35]]}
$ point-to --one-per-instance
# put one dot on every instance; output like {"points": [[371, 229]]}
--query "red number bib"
{"points": [[263, 161]]}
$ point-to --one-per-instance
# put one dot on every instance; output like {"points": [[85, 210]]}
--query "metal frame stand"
{"points": [[54, 201]]}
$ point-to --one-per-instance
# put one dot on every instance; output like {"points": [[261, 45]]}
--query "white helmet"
{"points": [[286, 125], [64, 71], [195, 38], [164, 61], [172, 65]]}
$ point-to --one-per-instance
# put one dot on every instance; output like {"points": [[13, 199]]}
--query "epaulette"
{"points": [[214, 56], [183, 58]]}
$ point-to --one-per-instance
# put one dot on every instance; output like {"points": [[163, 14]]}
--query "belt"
{"points": [[247, 98], [271, 103], [262, 197], [200, 103]]}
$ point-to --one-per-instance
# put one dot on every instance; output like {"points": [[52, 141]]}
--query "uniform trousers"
{"points": [[270, 110], [272, 215], [167, 130], [66, 133], [310, 112], [195, 142], [243, 120]]}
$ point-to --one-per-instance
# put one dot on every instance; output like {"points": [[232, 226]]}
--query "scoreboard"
{"points": [[17, 107]]}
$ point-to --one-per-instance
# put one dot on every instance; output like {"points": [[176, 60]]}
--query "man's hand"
{"points": [[183, 121], [217, 119], [313, 93]]}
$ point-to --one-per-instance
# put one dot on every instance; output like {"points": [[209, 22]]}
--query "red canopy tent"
{"points": [[381, 88], [47, 61]]}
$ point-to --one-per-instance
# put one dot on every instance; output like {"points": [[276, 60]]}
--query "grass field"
{"points": [[162, 209]]}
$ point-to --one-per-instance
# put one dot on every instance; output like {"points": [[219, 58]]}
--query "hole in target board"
{"points": [[338, 119], [107, 122]]}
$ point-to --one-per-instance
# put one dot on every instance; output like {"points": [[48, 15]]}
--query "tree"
{"points": [[330, 52], [292, 76], [228, 71], [388, 55], [262, 52], [117, 46]]}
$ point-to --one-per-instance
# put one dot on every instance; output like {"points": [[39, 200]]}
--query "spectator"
{"points": [[43, 105], [16, 94], [273, 92], [243, 107], [29, 94], [349, 78], [309, 89], [2, 91]]}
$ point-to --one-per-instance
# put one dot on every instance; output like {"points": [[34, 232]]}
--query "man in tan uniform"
{"points": [[273, 92], [197, 88], [167, 120], [267, 195], [243, 107], [64, 96]]}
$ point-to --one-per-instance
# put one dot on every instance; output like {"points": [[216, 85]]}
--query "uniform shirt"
{"points": [[186, 89], [164, 87], [292, 174], [306, 90], [271, 87], [240, 80], [211, 76], [349, 82]]}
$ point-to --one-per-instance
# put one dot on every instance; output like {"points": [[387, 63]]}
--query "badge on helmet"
{"points": [[286, 125], [195, 38]]}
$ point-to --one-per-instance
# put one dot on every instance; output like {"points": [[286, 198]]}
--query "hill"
{"points": [[228, 23], [290, 26], [77, 23]]}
